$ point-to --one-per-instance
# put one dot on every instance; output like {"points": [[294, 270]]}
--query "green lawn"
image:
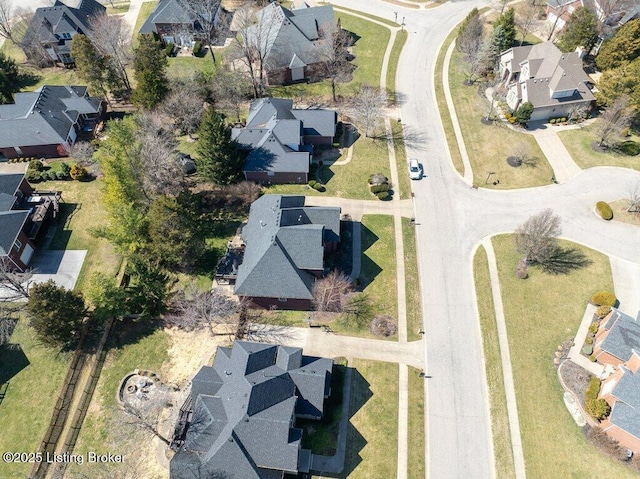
{"points": [[117, 7], [368, 50], [31, 394], [339, 10], [374, 389], [139, 349], [493, 366], [186, 66], [416, 425], [398, 45], [145, 10], [541, 312], [488, 145], [621, 214], [412, 281], [81, 211], [401, 161], [578, 142]]}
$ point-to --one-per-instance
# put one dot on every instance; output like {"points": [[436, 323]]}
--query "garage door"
{"points": [[26, 255]]}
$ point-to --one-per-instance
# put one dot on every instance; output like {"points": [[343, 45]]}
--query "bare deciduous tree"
{"points": [[329, 293], [254, 41], [231, 89], [193, 310], [206, 13], [634, 199], [536, 238], [368, 105], [14, 291], [526, 18], [82, 152], [612, 121], [184, 105], [334, 54], [470, 44], [112, 38], [144, 415]]}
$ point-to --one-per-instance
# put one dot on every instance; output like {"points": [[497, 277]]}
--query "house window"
{"points": [[271, 173], [66, 36], [17, 245], [282, 300]]}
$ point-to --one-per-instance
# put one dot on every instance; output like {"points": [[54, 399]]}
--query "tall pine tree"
{"points": [[90, 65], [9, 78], [150, 67], [218, 159], [581, 30], [504, 39]]}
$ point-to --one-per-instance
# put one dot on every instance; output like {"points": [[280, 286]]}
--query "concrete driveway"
{"points": [[62, 266]]}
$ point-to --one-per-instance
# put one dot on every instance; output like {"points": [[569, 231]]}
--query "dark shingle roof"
{"points": [[623, 337], [169, 12], [282, 242], [243, 428], [9, 184], [626, 410], [44, 117], [11, 223], [68, 17]]}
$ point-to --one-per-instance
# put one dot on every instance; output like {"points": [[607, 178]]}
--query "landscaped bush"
{"points": [[383, 195], [61, 176], [78, 172], [596, 408], [563, 119], [593, 328], [34, 176], [169, 49], [197, 49], [378, 179], [319, 187], [522, 269], [523, 114], [587, 349], [630, 148], [603, 298], [552, 120], [383, 325], [375, 189], [602, 311], [604, 210], [36, 165], [312, 183], [65, 169]]}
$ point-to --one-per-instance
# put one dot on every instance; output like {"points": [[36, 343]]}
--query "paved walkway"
{"points": [[358, 208], [574, 353], [505, 355], [131, 17], [626, 284], [564, 168]]}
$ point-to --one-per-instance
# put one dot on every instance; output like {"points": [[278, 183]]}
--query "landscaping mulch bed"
{"points": [[576, 378]]}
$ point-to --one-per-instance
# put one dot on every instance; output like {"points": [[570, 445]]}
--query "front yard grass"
{"points": [[373, 432], [416, 425], [488, 145], [404, 188], [541, 312], [30, 395], [621, 214], [503, 453], [412, 281], [578, 142], [145, 10], [81, 211], [368, 50], [396, 50]]}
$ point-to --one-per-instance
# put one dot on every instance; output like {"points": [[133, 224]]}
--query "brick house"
{"points": [[285, 247], [617, 346], [23, 212], [240, 418], [280, 140], [51, 29], [46, 122]]}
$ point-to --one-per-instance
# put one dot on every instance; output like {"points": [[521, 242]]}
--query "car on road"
{"points": [[415, 169]]}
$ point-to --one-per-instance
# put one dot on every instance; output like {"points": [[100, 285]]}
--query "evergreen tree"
{"points": [[90, 65], [496, 44], [624, 80], [55, 313], [9, 78], [507, 22], [581, 30], [623, 47], [150, 66], [218, 159]]}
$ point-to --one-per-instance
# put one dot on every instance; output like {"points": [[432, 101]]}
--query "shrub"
{"points": [[593, 328], [78, 172], [604, 210], [319, 187], [312, 183], [512, 120], [33, 176], [592, 358], [383, 195], [169, 49], [563, 119], [523, 114], [49, 175], [522, 269], [383, 325], [61, 176], [603, 298], [587, 349], [378, 179], [65, 169], [36, 165], [602, 311], [197, 49], [552, 120], [375, 189], [597, 408], [589, 340], [630, 148], [625, 132]]}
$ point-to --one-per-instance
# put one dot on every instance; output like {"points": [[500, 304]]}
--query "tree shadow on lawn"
{"points": [[129, 331], [407, 136], [12, 361], [63, 234], [565, 260]]}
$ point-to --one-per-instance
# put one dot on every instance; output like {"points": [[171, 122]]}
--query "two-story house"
{"points": [[51, 29], [553, 82]]}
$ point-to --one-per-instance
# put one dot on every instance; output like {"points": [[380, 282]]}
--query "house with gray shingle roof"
{"points": [[553, 82], [175, 23], [291, 40], [280, 140], [241, 413], [617, 346], [46, 122], [51, 29], [285, 247]]}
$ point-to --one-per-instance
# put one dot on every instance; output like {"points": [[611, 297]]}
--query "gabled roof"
{"points": [[561, 3], [11, 223], [9, 184], [70, 16], [274, 132], [623, 337], [283, 242], [626, 410], [44, 117], [243, 428], [169, 12], [288, 33]]}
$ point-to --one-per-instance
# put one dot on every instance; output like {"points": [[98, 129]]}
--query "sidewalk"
{"points": [[574, 353], [357, 208], [131, 17], [564, 168]]}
